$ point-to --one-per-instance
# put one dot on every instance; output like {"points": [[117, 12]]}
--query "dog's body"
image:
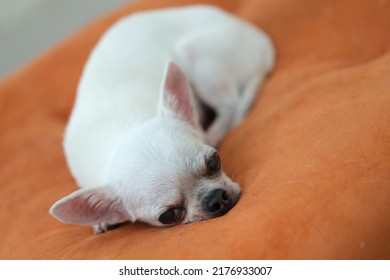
{"points": [[134, 142]]}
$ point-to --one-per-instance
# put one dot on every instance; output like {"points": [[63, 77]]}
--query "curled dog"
{"points": [[137, 142]]}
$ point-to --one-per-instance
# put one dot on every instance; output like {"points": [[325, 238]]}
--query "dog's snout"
{"points": [[218, 203]]}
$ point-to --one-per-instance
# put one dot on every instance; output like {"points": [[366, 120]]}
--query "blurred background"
{"points": [[29, 27]]}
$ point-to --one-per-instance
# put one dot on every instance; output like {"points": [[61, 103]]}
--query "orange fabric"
{"points": [[313, 156]]}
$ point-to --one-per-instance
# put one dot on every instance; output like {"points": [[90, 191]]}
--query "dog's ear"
{"points": [[176, 99], [89, 206]]}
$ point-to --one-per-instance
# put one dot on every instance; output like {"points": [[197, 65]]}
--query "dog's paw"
{"points": [[103, 227], [100, 228]]}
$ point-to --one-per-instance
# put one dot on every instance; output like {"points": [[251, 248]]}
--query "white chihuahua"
{"points": [[135, 141]]}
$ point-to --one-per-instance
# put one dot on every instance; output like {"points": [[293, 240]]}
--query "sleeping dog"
{"points": [[137, 142]]}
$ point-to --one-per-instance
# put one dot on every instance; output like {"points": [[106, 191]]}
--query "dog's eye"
{"points": [[171, 216], [213, 165]]}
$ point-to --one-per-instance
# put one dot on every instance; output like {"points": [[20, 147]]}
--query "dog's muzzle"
{"points": [[218, 203]]}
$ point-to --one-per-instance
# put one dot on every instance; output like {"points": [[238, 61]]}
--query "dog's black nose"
{"points": [[218, 203]]}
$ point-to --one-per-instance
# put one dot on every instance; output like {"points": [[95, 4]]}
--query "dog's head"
{"points": [[162, 174]]}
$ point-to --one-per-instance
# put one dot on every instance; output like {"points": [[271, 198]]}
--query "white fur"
{"points": [[123, 139]]}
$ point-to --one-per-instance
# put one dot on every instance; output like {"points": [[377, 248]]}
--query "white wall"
{"points": [[29, 27]]}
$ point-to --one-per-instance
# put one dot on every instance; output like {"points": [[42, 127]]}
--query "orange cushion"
{"points": [[313, 156]]}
